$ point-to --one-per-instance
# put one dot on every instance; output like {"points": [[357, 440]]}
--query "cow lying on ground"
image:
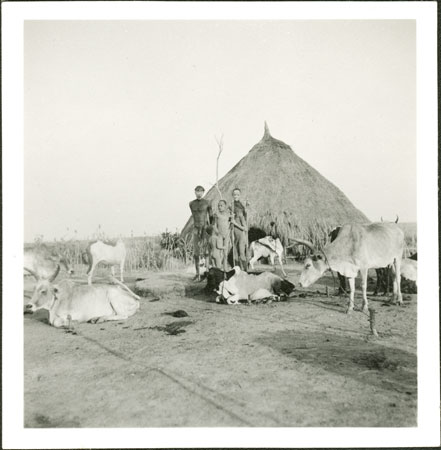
{"points": [[44, 263], [357, 248], [111, 254], [68, 301], [250, 287], [267, 247]]}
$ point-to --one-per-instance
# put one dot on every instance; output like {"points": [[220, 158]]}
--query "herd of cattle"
{"points": [[353, 248]]}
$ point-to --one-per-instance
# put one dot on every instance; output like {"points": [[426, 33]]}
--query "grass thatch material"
{"points": [[283, 188]]}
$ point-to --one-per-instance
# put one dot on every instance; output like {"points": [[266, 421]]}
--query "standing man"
{"points": [[201, 212], [240, 229]]}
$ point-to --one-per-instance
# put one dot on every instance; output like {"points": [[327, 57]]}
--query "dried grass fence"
{"points": [[166, 252], [170, 251]]}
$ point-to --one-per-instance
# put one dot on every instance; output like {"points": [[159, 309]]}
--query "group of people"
{"points": [[215, 233]]}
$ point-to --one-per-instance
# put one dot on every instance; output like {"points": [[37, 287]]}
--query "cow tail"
{"points": [[125, 287]]}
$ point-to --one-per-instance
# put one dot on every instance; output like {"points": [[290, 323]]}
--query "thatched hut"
{"points": [[284, 190]]}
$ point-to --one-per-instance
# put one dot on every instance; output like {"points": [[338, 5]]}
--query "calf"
{"points": [[69, 301]]}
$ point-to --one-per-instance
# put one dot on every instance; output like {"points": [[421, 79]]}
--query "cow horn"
{"points": [[52, 278], [32, 273], [396, 220], [301, 241], [381, 218]]}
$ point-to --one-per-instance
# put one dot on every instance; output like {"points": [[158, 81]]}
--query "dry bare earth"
{"points": [[298, 363]]}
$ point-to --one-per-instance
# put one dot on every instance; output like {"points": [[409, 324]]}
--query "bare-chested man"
{"points": [[201, 212]]}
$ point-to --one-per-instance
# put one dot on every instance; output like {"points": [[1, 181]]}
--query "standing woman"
{"points": [[240, 229]]}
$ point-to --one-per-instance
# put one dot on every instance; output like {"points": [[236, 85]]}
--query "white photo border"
{"points": [[427, 433]]}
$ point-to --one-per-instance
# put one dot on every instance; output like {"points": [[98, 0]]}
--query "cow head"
{"points": [[43, 297], [313, 267], [215, 277], [227, 289], [283, 287]]}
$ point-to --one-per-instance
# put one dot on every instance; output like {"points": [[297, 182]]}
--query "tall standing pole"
{"points": [[220, 144], [232, 234], [247, 204]]}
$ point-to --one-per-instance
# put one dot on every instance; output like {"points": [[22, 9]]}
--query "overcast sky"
{"points": [[121, 117]]}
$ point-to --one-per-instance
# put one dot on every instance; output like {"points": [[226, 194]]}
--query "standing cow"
{"points": [[111, 254], [357, 248], [267, 247]]}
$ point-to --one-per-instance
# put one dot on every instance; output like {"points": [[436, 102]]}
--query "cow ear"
{"points": [[230, 274]]}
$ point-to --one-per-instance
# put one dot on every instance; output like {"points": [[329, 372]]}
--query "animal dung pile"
{"points": [[178, 313], [173, 328]]}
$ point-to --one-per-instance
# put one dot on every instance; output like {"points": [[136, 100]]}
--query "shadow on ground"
{"points": [[366, 361]]}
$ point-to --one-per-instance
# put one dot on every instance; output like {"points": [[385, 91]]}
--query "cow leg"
{"points": [[89, 278], [364, 274], [281, 264], [389, 280], [342, 284], [253, 260], [378, 285], [272, 259], [397, 281], [351, 295], [121, 269], [196, 265], [108, 318]]}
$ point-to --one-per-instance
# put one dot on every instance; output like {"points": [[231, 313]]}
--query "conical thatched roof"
{"points": [[283, 188]]}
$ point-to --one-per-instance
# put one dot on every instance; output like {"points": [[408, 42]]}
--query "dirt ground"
{"points": [[299, 363]]}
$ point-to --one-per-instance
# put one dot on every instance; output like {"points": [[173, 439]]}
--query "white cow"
{"points": [[267, 247], [409, 269], [244, 286], [357, 248], [44, 263], [111, 254], [68, 301]]}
